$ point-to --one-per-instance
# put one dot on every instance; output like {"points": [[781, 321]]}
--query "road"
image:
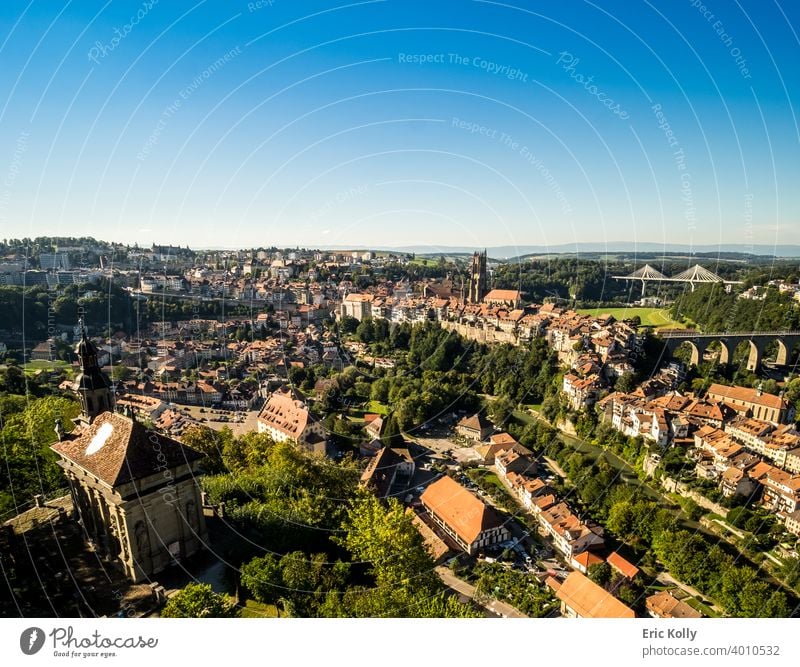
{"points": [[557, 469], [464, 588]]}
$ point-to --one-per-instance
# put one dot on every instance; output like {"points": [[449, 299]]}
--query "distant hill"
{"points": [[593, 248]]}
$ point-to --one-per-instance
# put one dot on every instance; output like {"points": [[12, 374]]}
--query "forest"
{"points": [[714, 309], [317, 545]]}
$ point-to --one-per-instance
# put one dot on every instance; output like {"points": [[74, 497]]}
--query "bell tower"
{"points": [[477, 278], [92, 386]]}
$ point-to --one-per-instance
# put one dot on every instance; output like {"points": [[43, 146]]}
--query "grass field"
{"points": [[41, 364], [377, 408], [253, 609], [424, 261], [656, 317]]}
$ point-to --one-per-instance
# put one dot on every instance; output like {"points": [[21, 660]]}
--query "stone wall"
{"points": [[674, 486], [481, 334]]}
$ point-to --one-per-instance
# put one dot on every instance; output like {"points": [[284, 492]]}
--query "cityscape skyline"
{"points": [[482, 122]]}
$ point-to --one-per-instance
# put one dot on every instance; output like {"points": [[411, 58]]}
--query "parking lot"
{"points": [[239, 422]]}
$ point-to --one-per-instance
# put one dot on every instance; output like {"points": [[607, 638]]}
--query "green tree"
{"points": [[626, 383], [500, 411], [262, 577], [391, 436], [600, 573], [199, 601], [384, 539]]}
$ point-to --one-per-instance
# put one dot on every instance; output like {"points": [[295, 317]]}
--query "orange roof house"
{"points": [[625, 568], [583, 561], [664, 605], [582, 598]]}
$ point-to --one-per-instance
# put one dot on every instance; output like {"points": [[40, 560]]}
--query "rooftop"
{"points": [[588, 600], [117, 450], [459, 509]]}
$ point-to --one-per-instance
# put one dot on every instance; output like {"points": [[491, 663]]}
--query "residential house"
{"points": [[383, 469], [582, 598], [375, 427], [497, 442], [664, 605], [781, 491], [623, 567], [516, 459], [583, 561], [735, 482], [285, 417], [793, 522], [476, 427], [356, 305], [580, 392], [570, 534]]}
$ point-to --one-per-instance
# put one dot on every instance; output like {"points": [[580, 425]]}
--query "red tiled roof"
{"points": [[117, 449], [664, 605], [466, 515], [746, 395], [588, 600], [622, 566]]}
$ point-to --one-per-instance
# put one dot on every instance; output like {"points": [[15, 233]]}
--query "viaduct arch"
{"points": [[759, 340]]}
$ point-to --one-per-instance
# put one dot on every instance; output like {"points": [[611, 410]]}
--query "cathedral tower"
{"points": [[477, 278]]}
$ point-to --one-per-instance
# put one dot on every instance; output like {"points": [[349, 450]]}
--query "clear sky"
{"points": [[397, 122]]}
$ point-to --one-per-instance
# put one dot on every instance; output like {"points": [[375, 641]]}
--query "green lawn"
{"points": [[253, 609], [525, 417], [480, 474], [36, 364], [424, 261], [376, 407], [657, 317], [694, 603], [42, 365]]}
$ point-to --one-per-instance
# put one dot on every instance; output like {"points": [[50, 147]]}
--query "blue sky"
{"points": [[394, 122]]}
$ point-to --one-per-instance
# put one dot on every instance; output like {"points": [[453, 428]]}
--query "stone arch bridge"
{"points": [[699, 342]]}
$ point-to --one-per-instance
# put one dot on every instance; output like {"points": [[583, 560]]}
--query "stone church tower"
{"points": [[477, 278], [92, 386], [135, 490]]}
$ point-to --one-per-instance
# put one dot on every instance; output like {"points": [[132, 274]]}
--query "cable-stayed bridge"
{"points": [[695, 275]]}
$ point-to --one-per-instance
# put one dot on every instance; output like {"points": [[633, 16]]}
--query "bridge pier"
{"points": [[725, 352], [758, 341], [754, 358], [786, 346]]}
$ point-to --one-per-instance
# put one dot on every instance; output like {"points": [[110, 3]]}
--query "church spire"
{"points": [[92, 385]]}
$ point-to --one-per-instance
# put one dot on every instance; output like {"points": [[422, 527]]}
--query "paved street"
{"points": [[495, 607]]}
